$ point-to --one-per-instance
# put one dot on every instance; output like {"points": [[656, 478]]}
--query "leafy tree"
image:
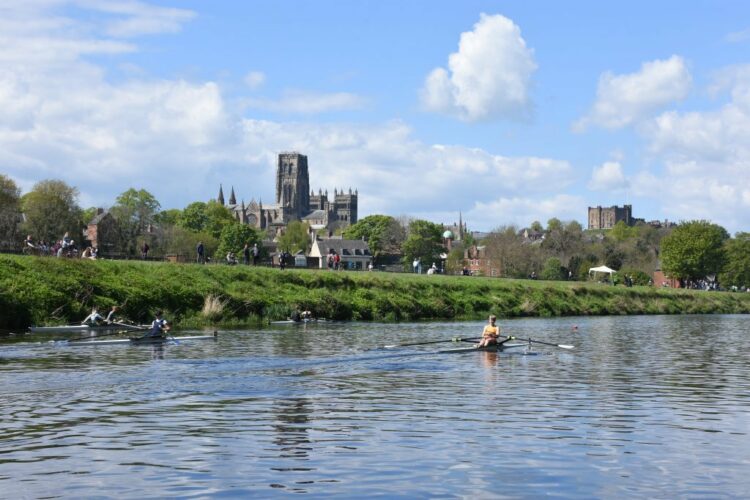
{"points": [[553, 224], [235, 236], [622, 232], [10, 210], [134, 211], [553, 270], [168, 217], [383, 233], [177, 240], [295, 238], [736, 271], [88, 214], [425, 241], [694, 250], [194, 217], [51, 209], [537, 226]]}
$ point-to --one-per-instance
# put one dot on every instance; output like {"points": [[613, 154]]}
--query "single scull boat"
{"points": [[489, 348]]}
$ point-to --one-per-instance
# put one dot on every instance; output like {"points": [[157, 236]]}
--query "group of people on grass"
{"points": [[65, 247]]}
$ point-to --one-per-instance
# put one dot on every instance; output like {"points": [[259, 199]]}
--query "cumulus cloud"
{"points": [[622, 100], [706, 155], [303, 102], [64, 118], [488, 78], [608, 177]]}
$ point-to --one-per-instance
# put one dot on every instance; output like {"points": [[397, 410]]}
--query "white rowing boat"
{"points": [[87, 328], [489, 348], [137, 341]]}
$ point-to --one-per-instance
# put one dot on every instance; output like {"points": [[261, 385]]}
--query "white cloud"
{"points": [[521, 211], [303, 102], [255, 79], [137, 18], [488, 78], [608, 177], [706, 156], [624, 99]]}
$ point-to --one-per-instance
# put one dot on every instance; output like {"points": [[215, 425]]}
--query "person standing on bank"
{"points": [[246, 254], [201, 258], [256, 254]]}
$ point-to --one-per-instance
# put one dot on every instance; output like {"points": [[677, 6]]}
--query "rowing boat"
{"points": [[292, 322], [137, 341], [489, 348], [87, 328]]}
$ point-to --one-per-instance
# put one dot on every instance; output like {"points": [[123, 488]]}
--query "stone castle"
{"points": [[608, 217], [295, 201]]}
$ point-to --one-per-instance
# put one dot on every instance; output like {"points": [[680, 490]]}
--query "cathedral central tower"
{"points": [[293, 184]]}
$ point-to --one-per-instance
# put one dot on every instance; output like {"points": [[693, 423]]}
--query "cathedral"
{"points": [[295, 201]]}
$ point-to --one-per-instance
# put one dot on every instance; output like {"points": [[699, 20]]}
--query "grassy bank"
{"points": [[49, 290]]}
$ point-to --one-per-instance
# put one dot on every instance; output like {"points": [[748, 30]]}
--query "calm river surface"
{"points": [[654, 407]]}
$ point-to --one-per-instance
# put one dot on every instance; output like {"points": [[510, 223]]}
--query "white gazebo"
{"points": [[602, 269]]}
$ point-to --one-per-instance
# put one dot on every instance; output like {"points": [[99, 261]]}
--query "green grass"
{"points": [[52, 291]]}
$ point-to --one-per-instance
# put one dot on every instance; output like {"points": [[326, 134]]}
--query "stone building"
{"points": [[296, 201], [354, 254], [103, 233], [607, 217]]}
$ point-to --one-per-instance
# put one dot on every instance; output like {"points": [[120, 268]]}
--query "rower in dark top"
{"points": [[159, 327]]}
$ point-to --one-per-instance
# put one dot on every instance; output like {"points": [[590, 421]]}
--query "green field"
{"points": [[54, 291]]}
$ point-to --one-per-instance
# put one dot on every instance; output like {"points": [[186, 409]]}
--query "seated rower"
{"points": [[306, 315], [94, 318], [491, 333], [159, 327], [296, 316], [112, 316]]}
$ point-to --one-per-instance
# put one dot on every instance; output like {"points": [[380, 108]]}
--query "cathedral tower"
{"points": [[293, 185]]}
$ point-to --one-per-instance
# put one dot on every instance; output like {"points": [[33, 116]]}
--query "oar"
{"points": [[454, 339], [131, 327], [561, 346], [119, 332]]}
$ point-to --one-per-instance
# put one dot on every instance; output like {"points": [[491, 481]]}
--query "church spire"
{"points": [[220, 199], [232, 199], [460, 226]]}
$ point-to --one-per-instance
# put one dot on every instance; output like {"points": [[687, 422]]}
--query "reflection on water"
{"points": [[644, 406]]}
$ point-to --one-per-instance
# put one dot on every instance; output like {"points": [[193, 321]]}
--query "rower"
{"points": [[490, 333], [94, 318], [111, 316], [306, 315], [159, 326]]}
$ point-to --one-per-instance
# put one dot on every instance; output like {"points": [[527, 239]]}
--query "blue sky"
{"points": [[506, 111]]}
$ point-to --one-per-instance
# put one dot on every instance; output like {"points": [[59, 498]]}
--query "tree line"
{"points": [[691, 251]]}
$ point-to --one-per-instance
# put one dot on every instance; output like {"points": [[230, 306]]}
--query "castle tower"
{"points": [[293, 184]]}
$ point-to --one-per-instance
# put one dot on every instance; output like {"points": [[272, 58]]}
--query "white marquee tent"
{"points": [[602, 269]]}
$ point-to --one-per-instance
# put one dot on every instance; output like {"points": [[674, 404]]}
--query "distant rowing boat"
{"points": [[292, 322], [137, 341], [489, 348], [87, 328]]}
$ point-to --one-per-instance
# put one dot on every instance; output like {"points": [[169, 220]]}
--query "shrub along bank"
{"points": [[39, 291]]}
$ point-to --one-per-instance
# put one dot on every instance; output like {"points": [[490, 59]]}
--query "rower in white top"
{"points": [[94, 318]]}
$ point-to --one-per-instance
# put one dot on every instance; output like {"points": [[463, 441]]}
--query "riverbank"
{"points": [[48, 290]]}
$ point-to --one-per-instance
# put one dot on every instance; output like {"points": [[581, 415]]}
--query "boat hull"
{"points": [[86, 328], [489, 348], [137, 341]]}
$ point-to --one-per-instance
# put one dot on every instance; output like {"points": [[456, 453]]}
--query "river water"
{"points": [[654, 407]]}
